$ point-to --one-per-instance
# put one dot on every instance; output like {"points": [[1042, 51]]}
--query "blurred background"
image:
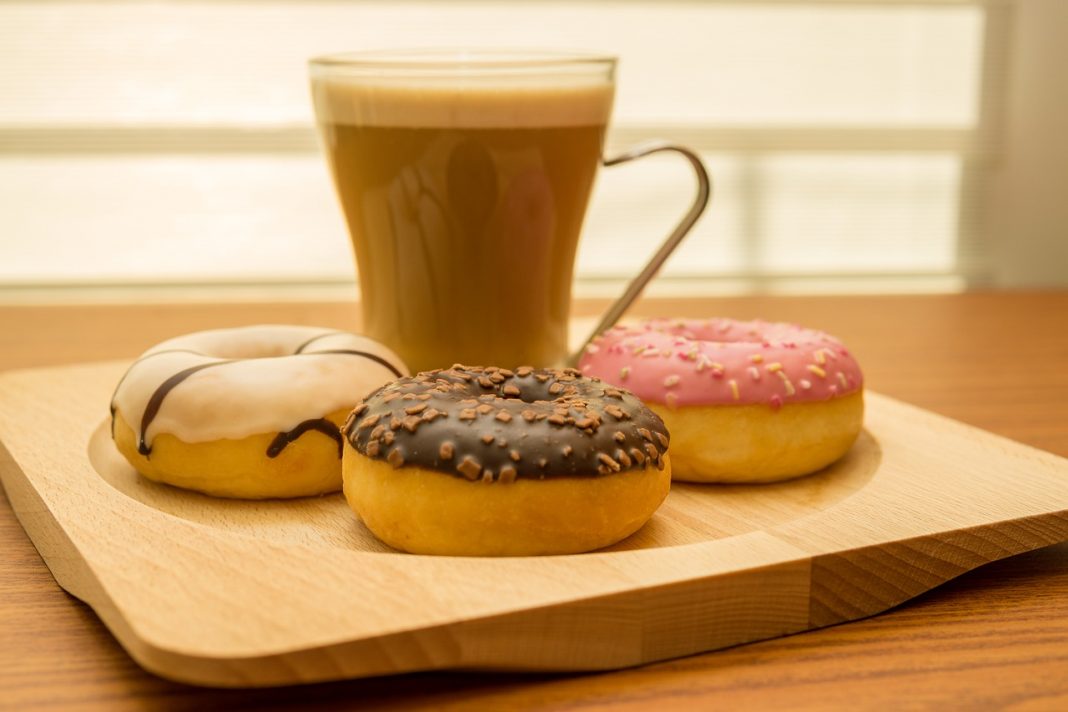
{"points": [[166, 150]]}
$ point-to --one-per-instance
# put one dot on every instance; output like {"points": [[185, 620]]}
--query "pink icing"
{"points": [[723, 361]]}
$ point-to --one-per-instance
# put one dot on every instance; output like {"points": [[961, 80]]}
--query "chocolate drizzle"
{"points": [[322, 425], [496, 425], [365, 354], [111, 405], [160, 393], [373, 357], [312, 340]]}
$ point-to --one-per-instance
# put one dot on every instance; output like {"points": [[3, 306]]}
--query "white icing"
{"points": [[267, 390]]}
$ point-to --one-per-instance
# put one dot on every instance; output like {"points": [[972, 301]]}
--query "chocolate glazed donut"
{"points": [[499, 425], [493, 462]]}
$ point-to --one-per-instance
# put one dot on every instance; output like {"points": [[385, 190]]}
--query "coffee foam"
{"points": [[475, 104]]}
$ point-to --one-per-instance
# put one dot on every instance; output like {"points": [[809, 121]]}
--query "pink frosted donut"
{"points": [[744, 401]]}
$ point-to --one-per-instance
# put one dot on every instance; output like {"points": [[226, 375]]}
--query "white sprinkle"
{"points": [[592, 349], [821, 358], [790, 390], [671, 381], [805, 384], [842, 380], [754, 373], [624, 372]]}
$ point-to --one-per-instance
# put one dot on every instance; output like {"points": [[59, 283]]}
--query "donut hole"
{"points": [[238, 351], [501, 386], [257, 342], [744, 333]]}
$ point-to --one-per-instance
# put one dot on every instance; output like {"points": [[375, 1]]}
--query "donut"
{"points": [[745, 401], [474, 461], [250, 412]]}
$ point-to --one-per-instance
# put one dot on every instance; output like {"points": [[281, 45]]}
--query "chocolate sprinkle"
{"points": [[557, 421], [469, 468]]}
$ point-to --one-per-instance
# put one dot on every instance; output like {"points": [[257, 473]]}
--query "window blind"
{"points": [[172, 142]]}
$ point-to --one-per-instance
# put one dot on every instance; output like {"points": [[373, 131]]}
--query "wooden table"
{"points": [[994, 638]]}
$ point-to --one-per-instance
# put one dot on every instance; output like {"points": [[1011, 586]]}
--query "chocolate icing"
{"points": [[496, 425]]}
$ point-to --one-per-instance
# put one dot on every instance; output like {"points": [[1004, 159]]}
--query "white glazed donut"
{"points": [[249, 412], [744, 401]]}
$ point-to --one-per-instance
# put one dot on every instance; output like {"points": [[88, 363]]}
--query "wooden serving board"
{"points": [[227, 593]]}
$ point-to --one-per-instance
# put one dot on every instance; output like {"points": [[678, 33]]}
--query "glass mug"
{"points": [[464, 178]]}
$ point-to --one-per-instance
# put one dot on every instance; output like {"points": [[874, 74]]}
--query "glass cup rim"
{"points": [[463, 60]]}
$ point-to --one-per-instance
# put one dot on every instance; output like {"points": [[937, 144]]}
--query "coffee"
{"points": [[465, 204]]}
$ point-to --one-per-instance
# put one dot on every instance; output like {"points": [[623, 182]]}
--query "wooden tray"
{"points": [[228, 593]]}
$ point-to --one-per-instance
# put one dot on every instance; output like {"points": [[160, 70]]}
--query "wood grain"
{"points": [[992, 638], [247, 594]]}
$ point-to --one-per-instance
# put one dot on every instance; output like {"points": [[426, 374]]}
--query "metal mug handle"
{"points": [[634, 289]]}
